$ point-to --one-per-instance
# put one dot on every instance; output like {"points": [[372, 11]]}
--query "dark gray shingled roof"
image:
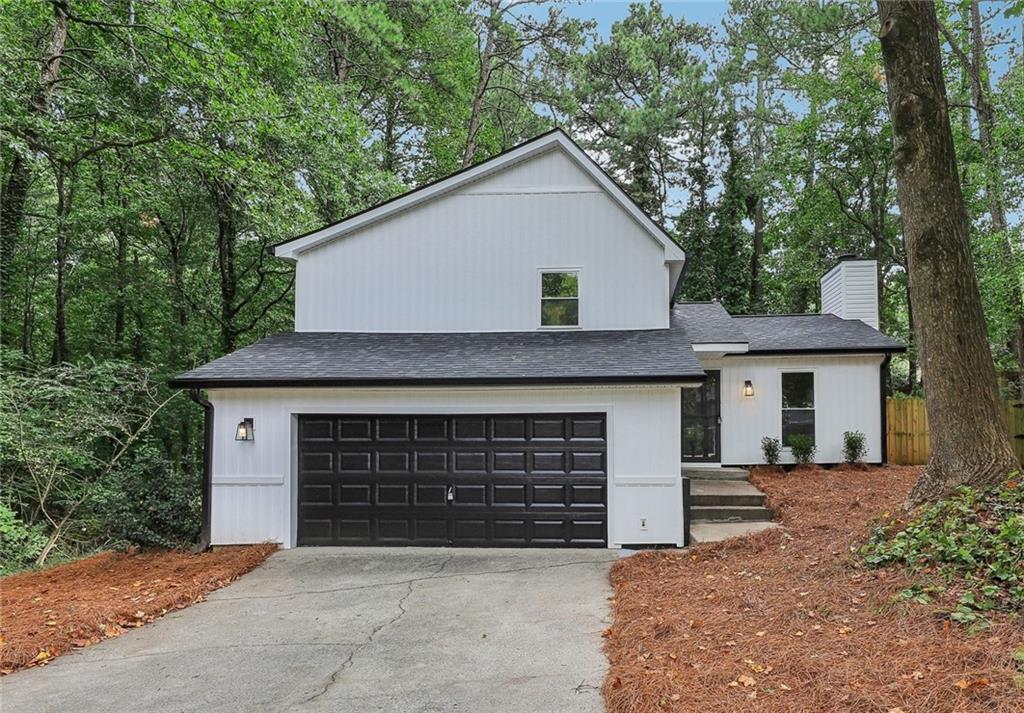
{"points": [[707, 323], [364, 359], [785, 333]]}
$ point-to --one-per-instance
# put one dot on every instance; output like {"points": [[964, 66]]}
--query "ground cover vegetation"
{"points": [[151, 151]]}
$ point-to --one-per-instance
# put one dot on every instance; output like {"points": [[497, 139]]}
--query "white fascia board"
{"points": [[723, 347], [291, 249]]}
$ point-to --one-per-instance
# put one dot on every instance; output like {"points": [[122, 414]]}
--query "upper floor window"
{"points": [[560, 298], [797, 404]]}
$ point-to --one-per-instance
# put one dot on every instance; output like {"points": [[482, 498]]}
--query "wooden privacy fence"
{"points": [[907, 438]]}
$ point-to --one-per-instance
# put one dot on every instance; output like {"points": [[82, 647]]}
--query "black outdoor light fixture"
{"points": [[244, 432], [748, 389]]}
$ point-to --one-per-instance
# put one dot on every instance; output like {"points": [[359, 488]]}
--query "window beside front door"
{"points": [[560, 298], [797, 404]]}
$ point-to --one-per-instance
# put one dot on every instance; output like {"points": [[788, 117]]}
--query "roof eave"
{"points": [[839, 351], [626, 380]]}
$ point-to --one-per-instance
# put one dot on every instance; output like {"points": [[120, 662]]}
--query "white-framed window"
{"points": [[560, 297], [797, 404]]}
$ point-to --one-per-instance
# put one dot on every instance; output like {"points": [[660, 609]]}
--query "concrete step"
{"points": [[725, 492], [726, 499], [718, 531], [715, 473], [729, 513]]}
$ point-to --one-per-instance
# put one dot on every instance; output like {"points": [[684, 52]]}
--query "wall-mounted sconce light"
{"points": [[244, 432], [748, 389]]}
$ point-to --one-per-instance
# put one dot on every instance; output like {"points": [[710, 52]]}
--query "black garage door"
{"points": [[485, 480]]}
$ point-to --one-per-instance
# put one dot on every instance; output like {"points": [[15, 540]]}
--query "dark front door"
{"points": [[490, 480], [702, 422]]}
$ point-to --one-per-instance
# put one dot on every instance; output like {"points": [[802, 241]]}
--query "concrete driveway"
{"points": [[357, 630]]}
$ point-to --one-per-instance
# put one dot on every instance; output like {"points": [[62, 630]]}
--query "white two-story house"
{"points": [[495, 359]]}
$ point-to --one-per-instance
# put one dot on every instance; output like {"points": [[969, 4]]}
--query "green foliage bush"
{"points": [[20, 544], [803, 448], [855, 446], [150, 502], [75, 458], [770, 449], [974, 541]]}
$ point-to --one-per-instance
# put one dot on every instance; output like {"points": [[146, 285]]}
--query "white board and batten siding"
{"points": [[850, 291], [470, 260], [846, 391], [254, 482]]}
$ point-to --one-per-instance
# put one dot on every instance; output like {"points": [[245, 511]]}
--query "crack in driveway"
{"points": [[347, 662]]}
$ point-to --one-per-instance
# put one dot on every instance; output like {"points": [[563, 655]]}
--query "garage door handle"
{"points": [[451, 494]]}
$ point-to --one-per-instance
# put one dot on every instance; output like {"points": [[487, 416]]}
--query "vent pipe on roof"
{"points": [[850, 290]]}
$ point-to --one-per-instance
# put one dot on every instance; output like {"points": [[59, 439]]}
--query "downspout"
{"points": [[883, 398], [203, 543]]}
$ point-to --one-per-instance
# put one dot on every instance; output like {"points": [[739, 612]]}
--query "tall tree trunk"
{"points": [[756, 283], [482, 82], [757, 214], [226, 266], [970, 442], [62, 248], [16, 182]]}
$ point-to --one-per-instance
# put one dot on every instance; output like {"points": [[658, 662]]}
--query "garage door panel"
{"points": [[354, 494], [510, 428], [392, 462], [586, 494], [549, 462], [510, 480], [470, 428], [397, 494], [355, 429], [431, 462], [586, 462], [509, 494], [317, 493], [359, 462], [470, 462], [510, 462], [318, 429], [469, 494], [313, 462], [431, 428]]}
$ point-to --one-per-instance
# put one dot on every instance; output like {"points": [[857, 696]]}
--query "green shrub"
{"points": [[973, 539], [803, 448], [770, 449], [20, 544], [855, 446], [150, 502]]}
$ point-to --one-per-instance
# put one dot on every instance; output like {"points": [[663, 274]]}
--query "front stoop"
{"points": [[724, 504]]}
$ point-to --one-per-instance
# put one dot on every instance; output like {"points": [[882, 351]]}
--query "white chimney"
{"points": [[850, 290]]}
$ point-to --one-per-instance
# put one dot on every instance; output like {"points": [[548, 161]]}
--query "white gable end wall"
{"points": [[470, 261]]}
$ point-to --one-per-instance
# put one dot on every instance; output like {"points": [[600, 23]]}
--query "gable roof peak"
{"points": [[291, 249]]}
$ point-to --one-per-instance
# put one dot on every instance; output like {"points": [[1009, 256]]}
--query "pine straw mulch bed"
{"points": [[47, 612], [788, 621]]}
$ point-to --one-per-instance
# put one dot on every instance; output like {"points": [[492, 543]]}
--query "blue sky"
{"points": [[607, 12]]}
